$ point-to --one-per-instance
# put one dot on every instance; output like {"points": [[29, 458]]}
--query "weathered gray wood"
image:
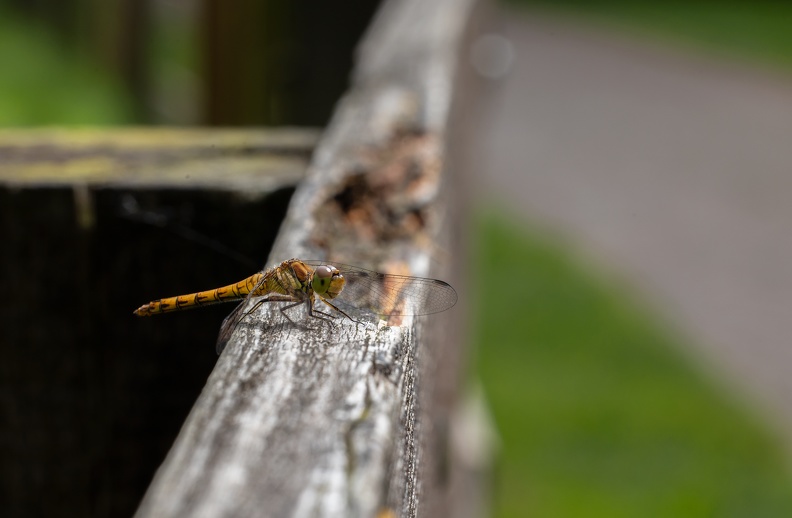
{"points": [[321, 420]]}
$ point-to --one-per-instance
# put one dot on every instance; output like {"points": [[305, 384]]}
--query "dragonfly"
{"points": [[343, 288]]}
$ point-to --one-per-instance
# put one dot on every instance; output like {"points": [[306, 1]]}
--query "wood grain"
{"points": [[331, 420]]}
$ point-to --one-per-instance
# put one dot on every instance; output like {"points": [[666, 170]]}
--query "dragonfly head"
{"points": [[327, 281]]}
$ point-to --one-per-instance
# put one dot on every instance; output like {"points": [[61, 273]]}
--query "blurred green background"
{"points": [[632, 429], [601, 407], [599, 410], [44, 83]]}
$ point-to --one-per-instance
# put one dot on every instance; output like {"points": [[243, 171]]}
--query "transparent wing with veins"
{"points": [[390, 295]]}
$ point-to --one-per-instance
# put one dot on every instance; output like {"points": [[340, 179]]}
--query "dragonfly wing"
{"points": [[391, 295], [397, 294], [229, 325], [231, 322]]}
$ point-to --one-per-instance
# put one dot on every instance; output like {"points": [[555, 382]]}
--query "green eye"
{"points": [[321, 279]]}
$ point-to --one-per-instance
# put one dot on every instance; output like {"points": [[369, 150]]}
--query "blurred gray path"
{"points": [[672, 169]]}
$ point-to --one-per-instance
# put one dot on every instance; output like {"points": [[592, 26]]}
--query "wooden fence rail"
{"points": [[346, 420]]}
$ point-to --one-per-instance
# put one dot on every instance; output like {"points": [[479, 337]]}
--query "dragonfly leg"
{"points": [[328, 315], [337, 309], [232, 320], [278, 298], [284, 308], [315, 313], [251, 310], [282, 298], [271, 298]]}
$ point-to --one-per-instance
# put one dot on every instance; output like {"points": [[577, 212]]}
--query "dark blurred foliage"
{"points": [[217, 62]]}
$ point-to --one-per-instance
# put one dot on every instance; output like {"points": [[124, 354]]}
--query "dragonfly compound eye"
{"points": [[322, 279]]}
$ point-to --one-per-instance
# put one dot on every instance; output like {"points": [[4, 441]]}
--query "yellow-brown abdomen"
{"points": [[227, 293]]}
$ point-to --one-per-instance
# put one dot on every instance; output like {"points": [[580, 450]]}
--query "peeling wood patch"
{"points": [[386, 196]]}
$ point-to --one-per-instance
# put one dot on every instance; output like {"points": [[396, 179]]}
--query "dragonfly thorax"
{"points": [[327, 281]]}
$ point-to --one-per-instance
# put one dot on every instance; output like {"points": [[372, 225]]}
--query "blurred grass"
{"points": [[44, 83], [759, 30], [599, 412]]}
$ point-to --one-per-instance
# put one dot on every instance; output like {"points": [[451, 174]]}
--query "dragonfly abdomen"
{"points": [[235, 291]]}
